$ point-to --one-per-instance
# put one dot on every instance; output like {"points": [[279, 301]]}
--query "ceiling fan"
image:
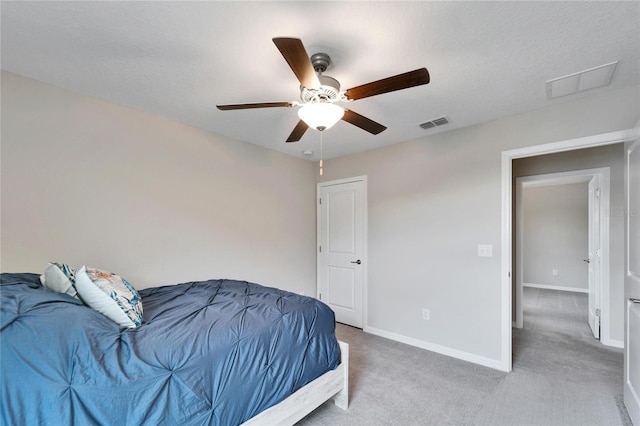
{"points": [[319, 92]]}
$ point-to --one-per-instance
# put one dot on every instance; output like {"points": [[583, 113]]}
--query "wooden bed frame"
{"points": [[333, 384]]}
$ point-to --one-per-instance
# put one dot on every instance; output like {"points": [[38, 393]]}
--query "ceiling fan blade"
{"points": [[255, 105], [298, 132], [296, 56], [390, 84], [363, 122]]}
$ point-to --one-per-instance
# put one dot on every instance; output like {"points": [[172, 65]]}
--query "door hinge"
{"points": [[597, 312], [319, 296], [320, 200], [320, 247]]}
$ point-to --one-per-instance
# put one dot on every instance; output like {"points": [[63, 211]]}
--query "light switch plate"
{"points": [[485, 250]]}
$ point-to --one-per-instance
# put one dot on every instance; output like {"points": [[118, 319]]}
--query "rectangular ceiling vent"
{"points": [[580, 81], [440, 121]]}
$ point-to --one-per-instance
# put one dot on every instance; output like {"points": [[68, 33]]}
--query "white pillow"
{"points": [[111, 295], [61, 278]]}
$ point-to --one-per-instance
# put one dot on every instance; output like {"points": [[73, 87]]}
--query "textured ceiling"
{"points": [[179, 59]]}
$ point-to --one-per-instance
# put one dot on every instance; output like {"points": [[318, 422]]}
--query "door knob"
{"points": [[356, 261], [586, 260]]}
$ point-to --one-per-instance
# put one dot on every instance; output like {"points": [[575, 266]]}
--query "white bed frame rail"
{"points": [[333, 384]]}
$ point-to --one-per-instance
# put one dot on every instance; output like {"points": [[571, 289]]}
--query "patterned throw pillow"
{"points": [[60, 277], [111, 295]]}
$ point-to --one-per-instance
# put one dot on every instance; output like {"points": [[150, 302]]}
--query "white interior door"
{"points": [[632, 285], [341, 254], [595, 255]]}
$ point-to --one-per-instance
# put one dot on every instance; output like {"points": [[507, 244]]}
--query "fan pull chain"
{"points": [[320, 153]]}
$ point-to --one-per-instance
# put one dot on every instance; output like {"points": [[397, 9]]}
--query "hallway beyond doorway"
{"points": [[556, 342], [556, 311]]}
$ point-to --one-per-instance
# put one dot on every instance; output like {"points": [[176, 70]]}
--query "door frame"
{"points": [[365, 233], [507, 226], [560, 178], [631, 391]]}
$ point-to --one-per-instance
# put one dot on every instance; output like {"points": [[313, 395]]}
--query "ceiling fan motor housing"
{"points": [[329, 91], [320, 62]]}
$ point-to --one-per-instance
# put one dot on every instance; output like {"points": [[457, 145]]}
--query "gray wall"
{"points": [[89, 182], [611, 156], [555, 235], [431, 201], [86, 181]]}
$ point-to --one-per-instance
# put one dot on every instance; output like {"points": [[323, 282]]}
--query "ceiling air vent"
{"points": [[580, 81], [440, 121]]}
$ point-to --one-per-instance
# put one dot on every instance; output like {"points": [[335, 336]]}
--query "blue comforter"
{"points": [[208, 353]]}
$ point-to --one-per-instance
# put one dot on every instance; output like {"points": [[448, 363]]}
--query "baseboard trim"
{"points": [[613, 343], [443, 350], [556, 287]]}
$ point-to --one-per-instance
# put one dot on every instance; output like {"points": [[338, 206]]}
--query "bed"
{"points": [[218, 352]]}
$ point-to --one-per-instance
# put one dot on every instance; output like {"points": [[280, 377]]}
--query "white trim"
{"points": [[519, 319], [506, 301], [506, 258], [365, 253], [444, 350], [556, 287], [343, 181], [365, 234], [614, 343], [562, 178], [631, 390], [571, 144], [635, 275]]}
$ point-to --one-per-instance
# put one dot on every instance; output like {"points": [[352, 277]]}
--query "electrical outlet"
{"points": [[485, 250], [425, 314], [554, 272]]}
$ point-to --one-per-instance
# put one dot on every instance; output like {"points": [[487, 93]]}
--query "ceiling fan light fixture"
{"points": [[320, 116]]}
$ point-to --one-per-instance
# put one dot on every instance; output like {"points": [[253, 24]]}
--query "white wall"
{"points": [[431, 201], [85, 181], [555, 235]]}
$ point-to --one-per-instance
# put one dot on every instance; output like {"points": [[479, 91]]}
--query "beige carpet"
{"points": [[560, 377]]}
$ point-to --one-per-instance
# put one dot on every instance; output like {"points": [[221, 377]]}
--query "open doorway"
{"points": [[567, 148], [562, 250]]}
